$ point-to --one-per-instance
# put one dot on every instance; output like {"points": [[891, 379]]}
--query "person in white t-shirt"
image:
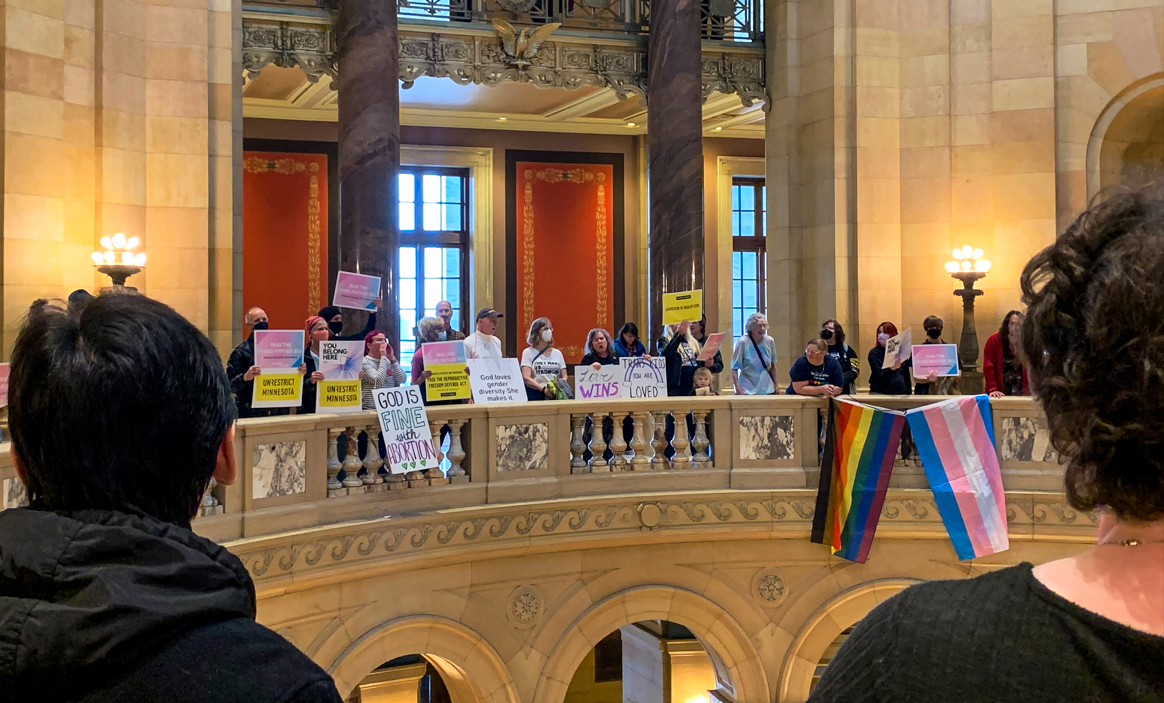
{"points": [[541, 362], [482, 344]]}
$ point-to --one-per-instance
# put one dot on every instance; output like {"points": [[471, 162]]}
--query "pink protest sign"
{"points": [[444, 353], [4, 369], [354, 290], [278, 349], [711, 346]]}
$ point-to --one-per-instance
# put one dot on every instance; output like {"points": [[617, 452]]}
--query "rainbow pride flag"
{"points": [[854, 476], [955, 440]]}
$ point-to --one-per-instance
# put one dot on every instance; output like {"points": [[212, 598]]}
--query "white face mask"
{"points": [[442, 335], [882, 339], [547, 335]]}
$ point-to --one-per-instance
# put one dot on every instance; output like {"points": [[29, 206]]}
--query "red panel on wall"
{"points": [[564, 252], [285, 235]]}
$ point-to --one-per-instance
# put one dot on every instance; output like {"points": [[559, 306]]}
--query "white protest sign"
{"points": [[643, 378], [898, 349], [406, 434], [602, 384], [340, 390], [496, 381]]}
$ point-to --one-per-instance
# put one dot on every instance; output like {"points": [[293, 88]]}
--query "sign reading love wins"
{"points": [[406, 434]]}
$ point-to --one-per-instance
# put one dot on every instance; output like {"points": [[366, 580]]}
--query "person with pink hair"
{"points": [[316, 331]]}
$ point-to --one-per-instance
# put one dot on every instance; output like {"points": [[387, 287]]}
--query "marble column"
{"points": [[369, 149], [674, 152]]}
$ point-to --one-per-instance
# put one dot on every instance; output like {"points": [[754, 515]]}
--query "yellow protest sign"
{"points": [[339, 396], [278, 390], [678, 307], [450, 377]]}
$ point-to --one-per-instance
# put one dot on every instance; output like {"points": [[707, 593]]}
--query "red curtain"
{"points": [[565, 252], [285, 235]]}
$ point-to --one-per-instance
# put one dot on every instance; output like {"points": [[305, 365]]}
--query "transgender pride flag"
{"points": [[955, 440]]}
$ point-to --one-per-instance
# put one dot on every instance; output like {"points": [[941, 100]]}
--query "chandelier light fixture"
{"points": [[119, 261]]}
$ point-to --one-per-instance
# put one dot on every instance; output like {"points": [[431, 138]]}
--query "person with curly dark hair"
{"points": [[1089, 627], [1002, 369]]}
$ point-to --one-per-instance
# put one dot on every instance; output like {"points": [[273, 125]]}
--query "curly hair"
{"points": [[1096, 318]]}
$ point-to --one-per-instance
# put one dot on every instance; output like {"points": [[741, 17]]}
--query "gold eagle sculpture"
{"points": [[521, 48]]}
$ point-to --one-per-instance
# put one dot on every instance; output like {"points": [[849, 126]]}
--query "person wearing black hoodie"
{"points": [[121, 414], [335, 323]]}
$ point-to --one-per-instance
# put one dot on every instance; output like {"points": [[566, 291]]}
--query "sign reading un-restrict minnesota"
{"points": [[678, 307]]}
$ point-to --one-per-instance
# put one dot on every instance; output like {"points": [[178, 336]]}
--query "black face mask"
{"points": [[260, 325], [826, 335], [934, 333], [336, 327]]}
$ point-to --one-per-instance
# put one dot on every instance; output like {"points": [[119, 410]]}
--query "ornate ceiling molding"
{"points": [[471, 58]]}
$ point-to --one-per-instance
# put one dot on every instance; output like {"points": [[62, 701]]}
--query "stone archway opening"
{"points": [[650, 661], [1133, 146], [414, 678]]}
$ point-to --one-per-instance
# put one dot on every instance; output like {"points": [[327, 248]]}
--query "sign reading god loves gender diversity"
{"points": [[939, 359], [600, 384], [355, 290], [496, 380], [406, 434], [449, 379], [279, 354], [643, 378], [339, 391], [678, 307]]}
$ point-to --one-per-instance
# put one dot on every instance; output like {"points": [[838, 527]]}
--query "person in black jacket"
{"points": [[680, 350], [108, 596], [334, 318], [834, 335], [894, 380], [699, 333], [599, 351], [241, 370]]}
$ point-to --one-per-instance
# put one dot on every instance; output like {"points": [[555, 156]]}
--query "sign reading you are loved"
{"points": [[404, 423]]}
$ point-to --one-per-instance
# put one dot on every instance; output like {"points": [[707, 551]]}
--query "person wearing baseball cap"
{"points": [[482, 344]]}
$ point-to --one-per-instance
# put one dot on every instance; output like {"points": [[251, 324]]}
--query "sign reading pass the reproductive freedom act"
{"points": [[597, 384], [406, 434], [339, 391], [496, 381], [355, 290], [279, 354], [939, 359], [449, 379], [678, 307]]}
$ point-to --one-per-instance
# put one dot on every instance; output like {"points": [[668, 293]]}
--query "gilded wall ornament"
{"points": [[521, 48]]}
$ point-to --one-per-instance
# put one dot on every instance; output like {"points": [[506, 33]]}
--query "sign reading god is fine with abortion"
{"points": [[404, 423]]}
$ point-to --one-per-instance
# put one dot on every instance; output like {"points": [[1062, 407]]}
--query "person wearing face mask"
{"points": [[316, 329], [428, 330], [241, 369], [946, 385], [541, 362], [891, 381], [380, 368], [335, 323], [834, 335]]}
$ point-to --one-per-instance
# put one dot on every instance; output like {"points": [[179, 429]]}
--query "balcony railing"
{"points": [[721, 20], [307, 471]]}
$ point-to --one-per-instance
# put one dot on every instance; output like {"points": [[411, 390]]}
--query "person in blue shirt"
{"points": [[816, 373], [628, 343]]}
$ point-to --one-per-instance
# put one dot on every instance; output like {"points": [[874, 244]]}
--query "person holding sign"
{"points": [[932, 384], [681, 352], [429, 330], [242, 370], [895, 379], [316, 329], [699, 334], [598, 350], [754, 359], [335, 323], [380, 368], [541, 363]]}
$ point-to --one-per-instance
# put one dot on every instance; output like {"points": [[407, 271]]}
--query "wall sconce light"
{"points": [[119, 261], [969, 266]]}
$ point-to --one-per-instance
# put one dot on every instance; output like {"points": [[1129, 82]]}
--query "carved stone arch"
{"points": [[1103, 123], [734, 658], [838, 614], [470, 667]]}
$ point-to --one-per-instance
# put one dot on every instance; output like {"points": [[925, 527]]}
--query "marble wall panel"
{"points": [[279, 469], [767, 438], [523, 447], [1026, 439]]}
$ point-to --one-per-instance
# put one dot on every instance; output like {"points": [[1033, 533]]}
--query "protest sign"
{"points": [[4, 369], [600, 384], [355, 290], [643, 378], [279, 354], [711, 345], [406, 434], [449, 379], [940, 359], [496, 381], [898, 349], [339, 391], [678, 307]]}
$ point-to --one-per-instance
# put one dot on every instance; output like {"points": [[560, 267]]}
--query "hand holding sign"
{"points": [[354, 290], [682, 307]]}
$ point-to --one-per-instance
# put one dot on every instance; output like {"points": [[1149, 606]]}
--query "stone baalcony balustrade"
{"points": [[306, 471]]}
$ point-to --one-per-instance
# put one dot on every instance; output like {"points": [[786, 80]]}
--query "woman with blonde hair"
{"points": [[681, 350], [541, 363]]}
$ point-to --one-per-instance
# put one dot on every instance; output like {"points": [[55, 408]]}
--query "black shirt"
{"points": [[888, 381], [607, 360], [850, 365], [1002, 637], [827, 374]]}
